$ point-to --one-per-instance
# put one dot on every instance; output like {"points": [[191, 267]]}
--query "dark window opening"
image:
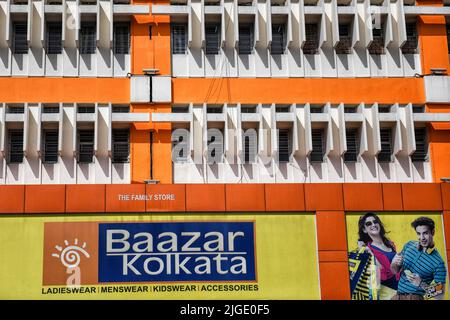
{"points": [[54, 38], [385, 154], [345, 39], [212, 37], [283, 145], [410, 45], [311, 45], [88, 38], [351, 155], [85, 145], [50, 146], [20, 43], [179, 38], [121, 38], [318, 145], [377, 45], [277, 45], [15, 145], [120, 145], [245, 38], [421, 153]]}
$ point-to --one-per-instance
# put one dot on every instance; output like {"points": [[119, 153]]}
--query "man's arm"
{"points": [[397, 263]]}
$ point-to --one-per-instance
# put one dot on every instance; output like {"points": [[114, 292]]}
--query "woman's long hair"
{"points": [[364, 237]]}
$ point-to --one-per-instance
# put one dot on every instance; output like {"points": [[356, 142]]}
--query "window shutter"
{"points": [[410, 45], [283, 145], [212, 37], [120, 145], [312, 39], [20, 38], [351, 155], [318, 145], [421, 153], [377, 45], [54, 38], [88, 38], [179, 39], [16, 146], [385, 154], [245, 38], [121, 38], [278, 42], [345, 39], [50, 146], [85, 146]]}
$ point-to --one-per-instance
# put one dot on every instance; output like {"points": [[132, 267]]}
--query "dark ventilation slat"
{"points": [[245, 38], [351, 155], [385, 154], [121, 38], [278, 39], [283, 145], [421, 153], [120, 145], [311, 44], [85, 146], [318, 145], [50, 146]]}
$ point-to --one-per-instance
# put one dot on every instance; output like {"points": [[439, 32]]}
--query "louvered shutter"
{"points": [[318, 145], [212, 37], [120, 145], [88, 38], [50, 146], [54, 38], [421, 153], [16, 146], [283, 145], [245, 38], [20, 38], [351, 155], [85, 146], [278, 42], [121, 38], [385, 154]]}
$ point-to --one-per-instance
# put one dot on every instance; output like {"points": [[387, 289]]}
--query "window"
{"points": [[16, 109], [384, 109], [345, 39], [410, 45], [180, 109], [88, 38], [350, 109], [50, 146], [377, 45], [418, 109], [316, 109], [20, 44], [54, 38], [250, 145], [212, 37], [245, 38], [179, 38], [86, 109], [214, 109], [385, 154], [85, 145], [421, 153], [15, 145], [118, 108], [121, 38], [318, 145], [278, 39], [248, 109], [312, 39], [50, 109], [120, 145], [282, 109], [351, 154], [283, 145]]}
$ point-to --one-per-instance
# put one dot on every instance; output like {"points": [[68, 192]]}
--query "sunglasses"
{"points": [[369, 223]]}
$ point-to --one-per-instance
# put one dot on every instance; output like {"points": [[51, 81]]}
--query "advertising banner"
{"points": [[397, 256], [159, 257]]}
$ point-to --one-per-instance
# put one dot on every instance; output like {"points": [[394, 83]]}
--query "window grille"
{"points": [[312, 39], [349, 109], [88, 38], [283, 145], [212, 37], [278, 39], [318, 145], [384, 109], [50, 146], [179, 38], [377, 45], [121, 38], [20, 38], [86, 109], [50, 109], [351, 154], [16, 109], [385, 154], [345, 39], [410, 45], [15, 146], [421, 153], [245, 38], [120, 108], [54, 38], [85, 146], [316, 109], [120, 145]]}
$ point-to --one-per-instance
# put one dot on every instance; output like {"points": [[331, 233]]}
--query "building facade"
{"points": [[318, 108]]}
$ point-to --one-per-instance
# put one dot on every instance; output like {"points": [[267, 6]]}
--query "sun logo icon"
{"points": [[70, 254]]}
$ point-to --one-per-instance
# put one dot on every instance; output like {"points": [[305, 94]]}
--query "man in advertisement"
{"points": [[421, 267]]}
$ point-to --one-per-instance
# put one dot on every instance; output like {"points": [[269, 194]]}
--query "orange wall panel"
{"points": [[245, 197], [363, 196], [162, 160], [85, 198], [392, 197], [285, 197], [333, 256], [331, 231], [334, 281], [447, 230], [125, 198], [139, 155], [445, 192], [323, 196], [175, 192], [205, 197], [45, 198], [439, 142], [421, 196], [12, 199], [299, 90]]}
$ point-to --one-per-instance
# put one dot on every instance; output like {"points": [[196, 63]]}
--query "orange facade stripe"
{"points": [[45, 198], [285, 197], [331, 230], [334, 280], [12, 199], [421, 196], [392, 196], [298, 90], [85, 198], [324, 196], [363, 196]]}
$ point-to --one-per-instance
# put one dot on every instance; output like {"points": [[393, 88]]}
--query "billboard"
{"points": [[159, 257], [397, 256]]}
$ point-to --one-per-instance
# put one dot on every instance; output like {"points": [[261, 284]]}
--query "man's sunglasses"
{"points": [[369, 223]]}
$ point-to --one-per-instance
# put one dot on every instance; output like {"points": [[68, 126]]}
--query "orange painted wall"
{"points": [[439, 138]]}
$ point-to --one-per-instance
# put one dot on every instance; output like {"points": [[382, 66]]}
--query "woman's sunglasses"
{"points": [[369, 223]]}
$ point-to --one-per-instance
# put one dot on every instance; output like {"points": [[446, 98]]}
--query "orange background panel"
{"points": [[447, 230], [204, 197], [334, 280], [363, 196], [285, 197], [113, 204], [333, 256], [102, 90], [85, 198], [439, 141], [245, 197], [392, 196], [421, 196], [445, 192], [323, 196], [331, 231], [178, 190], [234, 90], [45, 198], [12, 199]]}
